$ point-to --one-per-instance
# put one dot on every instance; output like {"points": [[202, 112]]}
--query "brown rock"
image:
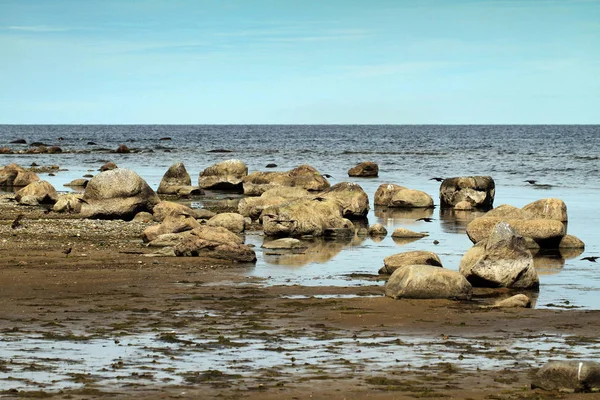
{"points": [[364, 169], [551, 208], [477, 190], [225, 175], [400, 260]]}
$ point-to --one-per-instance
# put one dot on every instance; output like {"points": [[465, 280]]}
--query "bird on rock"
{"points": [[17, 222], [67, 251]]}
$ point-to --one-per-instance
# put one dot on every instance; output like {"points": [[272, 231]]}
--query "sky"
{"points": [[299, 62]]}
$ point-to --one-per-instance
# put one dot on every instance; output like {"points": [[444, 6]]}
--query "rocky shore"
{"points": [[90, 308]]}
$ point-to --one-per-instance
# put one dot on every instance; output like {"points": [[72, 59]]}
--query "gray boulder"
{"points": [[573, 376], [427, 282], [117, 194], [477, 190], [502, 261]]}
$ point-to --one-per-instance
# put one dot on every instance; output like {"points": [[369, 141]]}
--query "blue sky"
{"points": [[304, 61]]}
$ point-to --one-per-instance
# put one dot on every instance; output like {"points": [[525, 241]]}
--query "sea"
{"points": [[562, 159]]}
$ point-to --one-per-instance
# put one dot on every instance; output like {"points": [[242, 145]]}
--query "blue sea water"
{"points": [[563, 159]]}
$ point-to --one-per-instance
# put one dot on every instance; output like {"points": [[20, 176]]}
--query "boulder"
{"points": [[571, 375], [504, 212], [54, 150], [571, 242], [284, 243], [5, 150], [364, 169], [546, 233], [477, 190], [117, 194], [400, 260], [69, 202], [463, 206], [169, 208], [233, 222], [171, 224], [427, 282], [174, 180], [78, 183], [352, 197], [377, 230], [397, 196], [253, 206], [224, 175], [143, 216], [13, 175], [551, 208], [108, 166], [304, 217], [504, 261], [304, 176], [403, 233], [215, 242], [39, 192], [516, 301]]}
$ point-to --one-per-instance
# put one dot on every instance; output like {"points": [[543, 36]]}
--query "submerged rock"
{"points": [[403, 233], [364, 169]]}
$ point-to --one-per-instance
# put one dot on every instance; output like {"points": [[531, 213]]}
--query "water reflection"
{"points": [[390, 217], [318, 250], [456, 221], [548, 262], [404, 241]]}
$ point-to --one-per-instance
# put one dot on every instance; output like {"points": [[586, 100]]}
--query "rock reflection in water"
{"points": [[456, 221], [318, 250], [390, 217]]}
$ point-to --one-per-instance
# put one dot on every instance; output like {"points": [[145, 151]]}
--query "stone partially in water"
{"points": [[224, 175], [417, 257], [403, 233], [364, 169], [516, 301], [477, 190], [352, 197]]}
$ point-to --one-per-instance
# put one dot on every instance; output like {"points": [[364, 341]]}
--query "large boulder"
{"points": [[215, 242], [417, 257], [568, 375], [253, 206], [233, 222], [171, 224], [117, 194], [304, 176], [551, 208], [397, 196], [427, 282], [39, 192], [352, 197], [502, 261], [546, 233], [477, 190], [364, 169], [311, 217], [177, 181], [13, 175], [224, 175]]}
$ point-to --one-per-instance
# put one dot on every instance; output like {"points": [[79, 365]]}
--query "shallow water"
{"points": [[564, 157]]}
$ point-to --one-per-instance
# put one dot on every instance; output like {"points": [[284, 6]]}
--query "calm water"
{"points": [[565, 157]]}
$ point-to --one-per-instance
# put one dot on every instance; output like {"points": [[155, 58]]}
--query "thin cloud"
{"points": [[36, 28]]}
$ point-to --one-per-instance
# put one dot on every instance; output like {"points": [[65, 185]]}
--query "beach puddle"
{"points": [[32, 362]]}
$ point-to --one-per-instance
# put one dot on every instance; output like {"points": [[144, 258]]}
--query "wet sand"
{"points": [[108, 321]]}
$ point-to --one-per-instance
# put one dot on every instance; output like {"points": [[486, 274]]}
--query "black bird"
{"points": [[67, 251], [530, 181], [17, 222], [436, 178], [327, 175], [591, 259], [426, 219]]}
